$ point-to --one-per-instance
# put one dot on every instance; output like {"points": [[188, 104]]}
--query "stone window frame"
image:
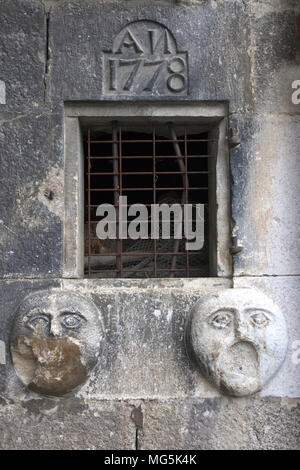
{"points": [[213, 115]]}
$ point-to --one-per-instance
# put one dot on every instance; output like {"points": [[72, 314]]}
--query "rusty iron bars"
{"points": [[112, 153]]}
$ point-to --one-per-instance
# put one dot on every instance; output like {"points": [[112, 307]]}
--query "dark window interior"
{"points": [[159, 164]]}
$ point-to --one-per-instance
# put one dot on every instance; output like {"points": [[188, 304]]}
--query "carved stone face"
{"points": [[55, 341], [238, 338]]}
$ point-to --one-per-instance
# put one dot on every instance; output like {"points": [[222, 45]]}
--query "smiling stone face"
{"points": [[55, 341], [238, 338]]}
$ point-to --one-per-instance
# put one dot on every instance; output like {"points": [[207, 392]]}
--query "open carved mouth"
{"points": [[238, 369], [51, 366]]}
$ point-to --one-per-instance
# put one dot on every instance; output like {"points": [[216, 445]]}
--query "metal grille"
{"points": [[165, 163]]}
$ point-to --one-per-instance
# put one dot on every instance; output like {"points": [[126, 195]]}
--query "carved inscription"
{"points": [[145, 61]]}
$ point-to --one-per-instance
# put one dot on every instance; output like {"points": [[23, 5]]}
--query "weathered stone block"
{"points": [[273, 53], [69, 424], [142, 351], [80, 33], [23, 54], [146, 354], [221, 423], [31, 223], [265, 206]]}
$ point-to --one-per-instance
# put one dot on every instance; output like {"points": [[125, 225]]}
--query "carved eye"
{"points": [[72, 320], [38, 322], [259, 319], [221, 319]]}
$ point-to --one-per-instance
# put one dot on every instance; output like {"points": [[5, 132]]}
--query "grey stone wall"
{"points": [[241, 52]]}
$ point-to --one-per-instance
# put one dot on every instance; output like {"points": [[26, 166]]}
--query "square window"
{"points": [[123, 156]]}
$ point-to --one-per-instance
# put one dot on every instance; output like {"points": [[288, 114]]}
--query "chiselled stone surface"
{"points": [[79, 32], [218, 423], [238, 339], [55, 342], [221, 423], [22, 53], [142, 352], [265, 207], [43, 424], [273, 51], [31, 161]]}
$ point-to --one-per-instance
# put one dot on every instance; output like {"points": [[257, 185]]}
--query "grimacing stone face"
{"points": [[55, 341], [238, 339]]}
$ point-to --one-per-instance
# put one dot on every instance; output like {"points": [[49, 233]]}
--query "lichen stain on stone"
{"points": [[291, 403], [50, 366]]}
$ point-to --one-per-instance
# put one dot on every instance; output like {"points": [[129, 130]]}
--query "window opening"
{"points": [[164, 163]]}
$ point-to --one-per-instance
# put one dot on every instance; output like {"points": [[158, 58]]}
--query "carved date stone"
{"points": [[145, 61], [238, 339], [55, 341]]}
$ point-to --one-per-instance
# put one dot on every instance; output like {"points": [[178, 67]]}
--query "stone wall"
{"points": [[144, 392]]}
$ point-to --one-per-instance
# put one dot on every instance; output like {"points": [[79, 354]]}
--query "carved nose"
{"points": [[241, 329], [55, 328]]}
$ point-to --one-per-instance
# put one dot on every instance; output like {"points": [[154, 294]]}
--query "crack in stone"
{"points": [[138, 419], [47, 52]]}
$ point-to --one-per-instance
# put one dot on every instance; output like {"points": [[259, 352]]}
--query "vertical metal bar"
{"points": [[89, 203], [115, 161], [185, 186], [154, 194], [179, 154], [116, 186]]}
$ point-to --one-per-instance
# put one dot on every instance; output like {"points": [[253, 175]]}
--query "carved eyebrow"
{"points": [[221, 309], [71, 311], [36, 311], [258, 309]]}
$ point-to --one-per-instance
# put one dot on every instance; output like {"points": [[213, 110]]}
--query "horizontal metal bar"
{"points": [[194, 188], [147, 141], [126, 173], [135, 157], [140, 270], [119, 270], [146, 253]]}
